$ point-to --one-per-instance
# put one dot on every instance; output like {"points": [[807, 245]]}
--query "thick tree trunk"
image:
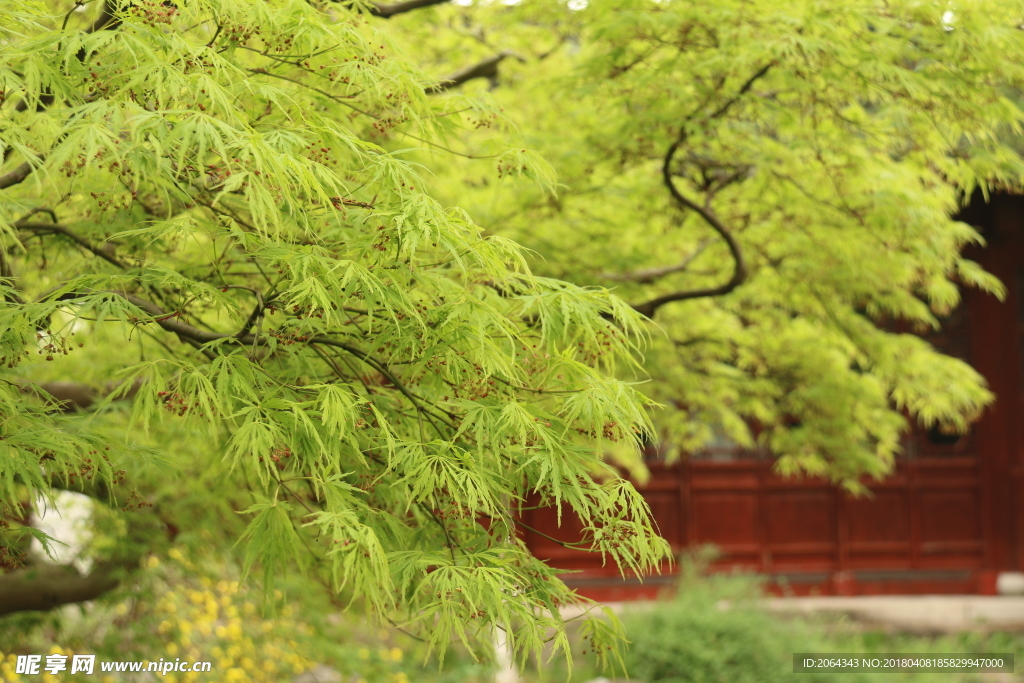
{"points": [[43, 587]]}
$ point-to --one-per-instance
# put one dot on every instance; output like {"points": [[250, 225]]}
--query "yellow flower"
{"points": [[235, 674], [121, 610], [363, 653], [152, 561], [172, 649], [175, 554]]}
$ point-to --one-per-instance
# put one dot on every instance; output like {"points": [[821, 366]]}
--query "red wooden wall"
{"points": [[948, 520]]}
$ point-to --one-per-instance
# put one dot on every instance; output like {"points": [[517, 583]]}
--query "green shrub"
{"points": [[711, 631]]}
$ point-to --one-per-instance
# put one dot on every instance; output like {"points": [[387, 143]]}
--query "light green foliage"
{"points": [[244, 212], [831, 140], [210, 204]]}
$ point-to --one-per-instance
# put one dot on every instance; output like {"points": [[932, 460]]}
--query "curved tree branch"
{"points": [[739, 273], [390, 10], [59, 229], [488, 69], [646, 276]]}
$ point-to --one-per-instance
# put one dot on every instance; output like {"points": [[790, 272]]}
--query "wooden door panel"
{"points": [[949, 516], [797, 517], [725, 518], [884, 518]]}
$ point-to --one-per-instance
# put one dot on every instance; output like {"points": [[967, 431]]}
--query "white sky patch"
{"points": [[577, 5], [70, 522]]}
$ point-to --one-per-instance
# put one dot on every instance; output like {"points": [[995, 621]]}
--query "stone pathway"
{"points": [[934, 613]]}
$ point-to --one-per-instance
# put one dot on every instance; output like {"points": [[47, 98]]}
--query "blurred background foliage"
{"points": [[707, 629]]}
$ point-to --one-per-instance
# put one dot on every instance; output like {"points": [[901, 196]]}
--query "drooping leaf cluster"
{"points": [[215, 199]]}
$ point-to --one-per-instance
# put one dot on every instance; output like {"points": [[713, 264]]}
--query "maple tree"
{"points": [[240, 216]]}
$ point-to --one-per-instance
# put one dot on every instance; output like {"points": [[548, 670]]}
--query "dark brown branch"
{"points": [[390, 10], [648, 275], [488, 68], [257, 311], [744, 89], [739, 273], [57, 228]]}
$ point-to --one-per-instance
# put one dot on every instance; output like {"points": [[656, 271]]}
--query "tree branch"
{"points": [[488, 68], [71, 396], [43, 587], [739, 273], [15, 175], [744, 89], [77, 239], [648, 275], [388, 11]]}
